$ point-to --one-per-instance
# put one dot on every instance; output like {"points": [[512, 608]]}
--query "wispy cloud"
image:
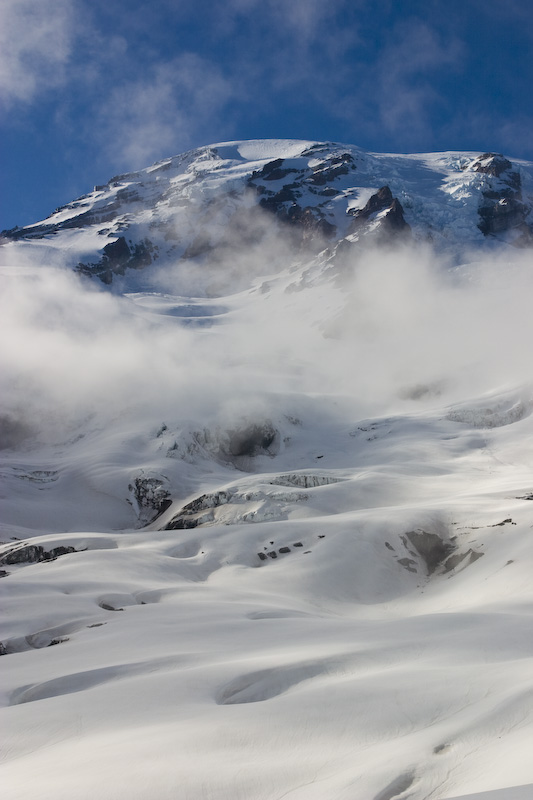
{"points": [[302, 19], [405, 71], [515, 134], [163, 112], [283, 47], [36, 40]]}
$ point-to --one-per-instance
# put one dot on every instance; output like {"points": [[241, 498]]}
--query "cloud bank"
{"points": [[402, 329]]}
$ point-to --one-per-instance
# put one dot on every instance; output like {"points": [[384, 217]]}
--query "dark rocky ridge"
{"points": [[392, 224], [308, 223], [117, 257], [33, 554], [502, 210], [150, 497]]}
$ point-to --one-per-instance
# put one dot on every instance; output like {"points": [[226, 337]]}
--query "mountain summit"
{"points": [[192, 208]]}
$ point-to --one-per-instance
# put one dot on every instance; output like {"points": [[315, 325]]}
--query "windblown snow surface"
{"points": [[273, 543]]}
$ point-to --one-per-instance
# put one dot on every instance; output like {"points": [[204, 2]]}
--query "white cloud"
{"points": [[301, 44], [405, 71], [410, 329], [151, 117], [305, 18], [36, 39]]}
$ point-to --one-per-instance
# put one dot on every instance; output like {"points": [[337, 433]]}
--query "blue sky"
{"points": [[91, 89]]}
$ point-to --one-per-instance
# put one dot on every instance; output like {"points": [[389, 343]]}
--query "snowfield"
{"points": [[274, 540]]}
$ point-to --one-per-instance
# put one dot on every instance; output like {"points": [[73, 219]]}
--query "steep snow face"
{"points": [[267, 481], [188, 209]]}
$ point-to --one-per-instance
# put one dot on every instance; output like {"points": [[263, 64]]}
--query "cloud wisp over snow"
{"points": [[77, 353]]}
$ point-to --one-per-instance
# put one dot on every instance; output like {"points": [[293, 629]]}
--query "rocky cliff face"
{"points": [[193, 209], [502, 209]]}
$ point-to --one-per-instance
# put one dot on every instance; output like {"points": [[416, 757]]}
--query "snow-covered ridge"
{"points": [[189, 206]]}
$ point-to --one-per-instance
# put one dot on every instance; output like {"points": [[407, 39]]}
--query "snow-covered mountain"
{"points": [[267, 480], [196, 206]]}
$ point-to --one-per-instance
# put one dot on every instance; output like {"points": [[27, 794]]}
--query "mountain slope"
{"points": [[197, 206], [266, 481]]}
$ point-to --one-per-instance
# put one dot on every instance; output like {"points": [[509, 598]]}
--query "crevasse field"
{"points": [[274, 540]]}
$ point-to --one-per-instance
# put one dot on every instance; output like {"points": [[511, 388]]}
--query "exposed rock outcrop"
{"points": [[33, 554], [117, 257], [150, 497], [198, 511], [430, 546], [252, 440], [503, 214], [387, 211]]}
